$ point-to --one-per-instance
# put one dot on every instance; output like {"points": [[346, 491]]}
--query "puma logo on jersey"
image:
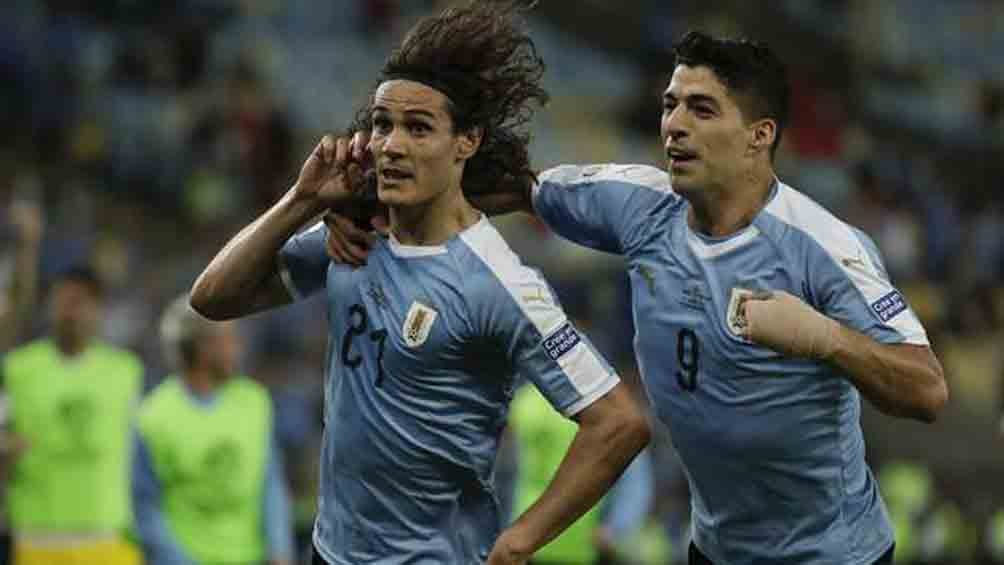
{"points": [[418, 324], [538, 295], [857, 262]]}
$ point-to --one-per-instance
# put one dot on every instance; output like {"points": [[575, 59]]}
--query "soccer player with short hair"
{"points": [[427, 338], [72, 400], [760, 317]]}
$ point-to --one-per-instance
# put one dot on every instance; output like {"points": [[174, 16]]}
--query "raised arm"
{"points": [[244, 278], [27, 219]]}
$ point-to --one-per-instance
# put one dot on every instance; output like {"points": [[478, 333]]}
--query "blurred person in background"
{"points": [[426, 339], [208, 484], [71, 402], [28, 222], [749, 279]]}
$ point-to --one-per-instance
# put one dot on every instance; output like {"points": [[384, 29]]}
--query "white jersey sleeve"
{"points": [[514, 307], [847, 280]]}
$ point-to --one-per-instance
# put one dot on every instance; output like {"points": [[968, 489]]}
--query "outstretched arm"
{"points": [[244, 278]]}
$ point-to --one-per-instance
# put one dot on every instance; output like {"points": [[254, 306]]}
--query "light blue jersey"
{"points": [[772, 445], [425, 346]]}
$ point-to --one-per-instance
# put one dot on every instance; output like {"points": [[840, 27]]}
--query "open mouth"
{"points": [[393, 174], [680, 156]]}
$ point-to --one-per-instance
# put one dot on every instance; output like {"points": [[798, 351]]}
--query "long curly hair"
{"points": [[480, 56]]}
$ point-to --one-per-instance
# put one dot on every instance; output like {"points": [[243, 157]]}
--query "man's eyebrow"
{"points": [[423, 113], [411, 113]]}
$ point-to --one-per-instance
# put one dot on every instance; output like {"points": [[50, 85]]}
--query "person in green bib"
{"points": [[208, 487], [16, 305], [71, 404]]}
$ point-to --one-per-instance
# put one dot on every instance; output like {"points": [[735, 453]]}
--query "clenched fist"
{"points": [[788, 325]]}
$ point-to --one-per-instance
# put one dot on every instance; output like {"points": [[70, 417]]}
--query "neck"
{"points": [[71, 346], [723, 211], [200, 381], [433, 222]]}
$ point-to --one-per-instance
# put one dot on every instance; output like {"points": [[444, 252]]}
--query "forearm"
{"points": [[900, 380], [597, 456], [237, 276], [630, 500]]}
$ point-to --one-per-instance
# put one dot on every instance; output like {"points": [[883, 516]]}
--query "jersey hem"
{"points": [[324, 552], [871, 559]]}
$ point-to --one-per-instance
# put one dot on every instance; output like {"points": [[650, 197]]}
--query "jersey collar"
{"points": [[409, 251]]}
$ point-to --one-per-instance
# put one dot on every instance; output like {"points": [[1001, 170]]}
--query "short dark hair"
{"points": [[480, 56], [83, 275], [754, 75]]}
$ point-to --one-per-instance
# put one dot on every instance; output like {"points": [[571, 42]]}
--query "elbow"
{"points": [[932, 397], [633, 432], [934, 400], [203, 300]]}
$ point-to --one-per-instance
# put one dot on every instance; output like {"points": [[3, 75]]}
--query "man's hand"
{"points": [[507, 551], [784, 323], [347, 243], [326, 176]]}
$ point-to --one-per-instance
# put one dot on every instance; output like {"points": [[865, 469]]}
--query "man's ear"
{"points": [[764, 133], [468, 143]]}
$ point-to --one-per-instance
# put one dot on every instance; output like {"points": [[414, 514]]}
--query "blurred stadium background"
{"points": [[152, 131]]}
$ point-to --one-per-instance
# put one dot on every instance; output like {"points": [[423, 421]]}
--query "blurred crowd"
{"points": [[151, 132]]}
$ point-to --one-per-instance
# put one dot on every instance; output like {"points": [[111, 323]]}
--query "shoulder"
{"points": [[159, 399], [125, 363], [28, 353], [494, 276], [23, 364], [797, 215], [640, 175], [249, 389]]}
